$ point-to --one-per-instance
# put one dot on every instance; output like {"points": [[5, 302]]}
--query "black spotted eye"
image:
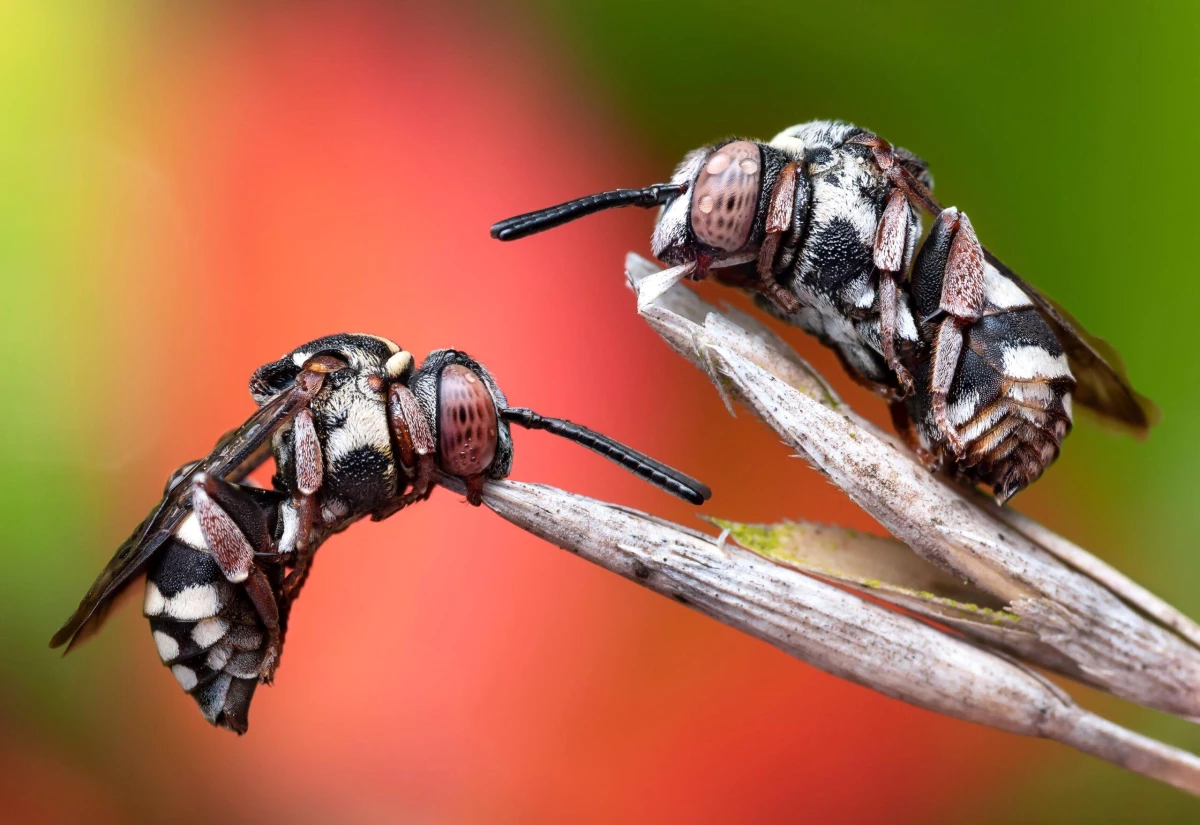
{"points": [[467, 431], [725, 197]]}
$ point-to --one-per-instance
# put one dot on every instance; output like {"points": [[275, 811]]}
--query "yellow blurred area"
{"points": [[188, 191]]}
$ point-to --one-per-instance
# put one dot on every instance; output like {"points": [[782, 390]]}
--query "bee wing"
{"points": [[233, 458], [1102, 384]]}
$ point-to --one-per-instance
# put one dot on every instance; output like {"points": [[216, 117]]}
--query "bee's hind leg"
{"points": [[951, 259], [235, 530]]}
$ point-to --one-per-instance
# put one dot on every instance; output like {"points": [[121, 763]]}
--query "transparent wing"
{"points": [[234, 457], [1099, 370]]}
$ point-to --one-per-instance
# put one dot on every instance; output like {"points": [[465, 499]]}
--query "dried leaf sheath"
{"points": [[829, 628], [1093, 633]]}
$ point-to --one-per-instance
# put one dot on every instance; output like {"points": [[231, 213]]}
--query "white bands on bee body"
{"points": [[789, 143], [398, 365]]}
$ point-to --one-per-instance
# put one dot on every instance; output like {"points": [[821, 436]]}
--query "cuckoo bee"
{"points": [[821, 225], [355, 430]]}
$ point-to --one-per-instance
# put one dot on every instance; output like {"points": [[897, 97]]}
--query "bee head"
{"points": [[469, 418], [461, 403], [717, 214], [714, 208]]}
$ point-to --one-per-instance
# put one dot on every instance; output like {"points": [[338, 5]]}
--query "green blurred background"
{"points": [[1066, 130]]}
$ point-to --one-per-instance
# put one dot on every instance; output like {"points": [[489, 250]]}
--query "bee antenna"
{"points": [[513, 228], [657, 473]]}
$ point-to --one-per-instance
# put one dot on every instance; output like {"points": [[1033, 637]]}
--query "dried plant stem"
{"points": [[1017, 593], [830, 628], [1083, 561], [1090, 622]]}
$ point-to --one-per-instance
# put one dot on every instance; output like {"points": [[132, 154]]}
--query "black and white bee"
{"points": [[355, 431], [821, 225]]}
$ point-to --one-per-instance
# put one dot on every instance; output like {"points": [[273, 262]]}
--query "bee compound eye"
{"points": [[467, 430], [725, 198]]}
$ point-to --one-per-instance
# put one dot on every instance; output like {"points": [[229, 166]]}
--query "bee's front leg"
{"points": [[779, 220], [235, 530], [906, 428], [415, 449]]}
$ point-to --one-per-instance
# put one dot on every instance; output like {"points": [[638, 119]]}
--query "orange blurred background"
{"points": [[233, 180]]}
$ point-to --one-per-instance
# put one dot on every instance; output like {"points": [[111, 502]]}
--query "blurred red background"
{"points": [[306, 169]]}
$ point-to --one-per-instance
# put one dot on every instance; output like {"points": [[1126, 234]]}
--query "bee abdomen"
{"points": [[205, 628], [1010, 444], [1010, 402]]}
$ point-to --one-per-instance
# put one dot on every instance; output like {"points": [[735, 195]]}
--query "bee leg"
{"points": [[413, 442], [889, 301], [891, 242], [906, 428], [262, 596], [779, 221], [235, 530], [310, 474], [855, 372], [302, 556], [963, 284], [950, 270], [889, 162], [475, 489], [947, 350]]}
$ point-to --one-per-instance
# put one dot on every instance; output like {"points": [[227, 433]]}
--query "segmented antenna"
{"points": [[552, 216], [657, 473]]}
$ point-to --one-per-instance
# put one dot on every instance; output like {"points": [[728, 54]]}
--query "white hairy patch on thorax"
{"points": [[814, 134], [845, 202], [365, 425], [291, 526], [838, 328], [1028, 362], [790, 143], [866, 298], [333, 509]]}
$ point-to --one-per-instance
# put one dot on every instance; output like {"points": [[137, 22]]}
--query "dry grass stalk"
{"points": [[828, 627], [991, 590], [1090, 622]]}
